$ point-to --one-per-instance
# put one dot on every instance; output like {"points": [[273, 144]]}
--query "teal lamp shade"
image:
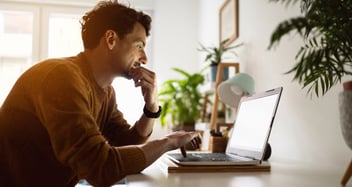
{"points": [[231, 90]]}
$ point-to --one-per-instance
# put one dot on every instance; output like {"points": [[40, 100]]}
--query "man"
{"points": [[60, 122]]}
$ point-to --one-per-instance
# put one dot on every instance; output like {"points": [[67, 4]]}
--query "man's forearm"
{"points": [[145, 125], [154, 149]]}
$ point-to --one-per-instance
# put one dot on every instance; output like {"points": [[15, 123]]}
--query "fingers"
{"points": [[183, 151], [146, 79], [196, 141], [142, 77], [187, 137]]}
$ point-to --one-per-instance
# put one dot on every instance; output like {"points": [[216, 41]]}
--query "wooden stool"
{"points": [[347, 174]]}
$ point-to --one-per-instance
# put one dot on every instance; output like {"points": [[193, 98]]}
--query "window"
{"points": [[16, 46], [63, 31]]}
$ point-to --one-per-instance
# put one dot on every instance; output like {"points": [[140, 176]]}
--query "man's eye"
{"points": [[140, 46]]}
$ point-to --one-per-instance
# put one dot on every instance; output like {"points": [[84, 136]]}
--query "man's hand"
{"points": [[146, 79], [154, 149], [179, 139]]}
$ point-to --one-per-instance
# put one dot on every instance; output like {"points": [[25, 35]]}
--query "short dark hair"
{"points": [[110, 15]]}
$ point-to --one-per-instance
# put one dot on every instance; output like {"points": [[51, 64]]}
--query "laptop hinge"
{"points": [[249, 157]]}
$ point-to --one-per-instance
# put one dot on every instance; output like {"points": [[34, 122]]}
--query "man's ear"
{"points": [[110, 39]]}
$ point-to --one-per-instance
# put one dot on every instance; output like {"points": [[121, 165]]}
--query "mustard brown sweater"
{"points": [[58, 126]]}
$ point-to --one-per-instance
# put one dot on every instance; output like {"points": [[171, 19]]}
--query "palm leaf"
{"points": [[326, 56]]}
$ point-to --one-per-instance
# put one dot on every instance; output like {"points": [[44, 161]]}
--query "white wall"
{"points": [[175, 31]]}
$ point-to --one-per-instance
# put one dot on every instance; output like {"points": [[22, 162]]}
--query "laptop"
{"points": [[247, 142]]}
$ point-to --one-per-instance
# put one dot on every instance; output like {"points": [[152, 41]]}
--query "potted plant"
{"points": [[326, 55], [214, 55], [182, 100]]}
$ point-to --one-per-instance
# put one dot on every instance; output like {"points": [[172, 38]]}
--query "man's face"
{"points": [[129, 52]]}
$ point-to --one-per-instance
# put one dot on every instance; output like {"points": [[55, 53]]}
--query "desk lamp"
{"points": [[231, 90]]}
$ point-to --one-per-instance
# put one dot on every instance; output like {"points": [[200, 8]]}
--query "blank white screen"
{"points": [[253, 123]]}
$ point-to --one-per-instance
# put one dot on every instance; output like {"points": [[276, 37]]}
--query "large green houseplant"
{"points": [[214, 55], [182, 100], [326, 55]]}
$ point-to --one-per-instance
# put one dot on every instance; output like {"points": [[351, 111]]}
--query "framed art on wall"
{"points": [[228, 21]]}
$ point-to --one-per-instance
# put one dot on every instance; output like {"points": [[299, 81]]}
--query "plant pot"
{"points": [[347, 85], [217, 144], [184, 127], [345, 108], [214, 72]]}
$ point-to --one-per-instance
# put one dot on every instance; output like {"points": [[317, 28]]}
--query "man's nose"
{"points": [[143, 57]]}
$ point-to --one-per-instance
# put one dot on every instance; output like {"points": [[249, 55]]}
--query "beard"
{"points": [[134, 66], [126, 74]]}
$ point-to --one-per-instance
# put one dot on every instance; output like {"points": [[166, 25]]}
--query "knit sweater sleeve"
{"points": [[63, 108]]}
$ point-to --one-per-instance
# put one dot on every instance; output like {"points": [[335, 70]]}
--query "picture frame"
{"points": [[228, 21]]}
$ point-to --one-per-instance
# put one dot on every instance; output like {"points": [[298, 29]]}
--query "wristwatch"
{"points": [[150, 114]]}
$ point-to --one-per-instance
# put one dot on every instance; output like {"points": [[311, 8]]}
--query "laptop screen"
{"points": [[253, 124]]}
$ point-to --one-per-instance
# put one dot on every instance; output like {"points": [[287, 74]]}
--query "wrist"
{"points": [[152, 107], [154, 149], [168, 146], [152, 114]]}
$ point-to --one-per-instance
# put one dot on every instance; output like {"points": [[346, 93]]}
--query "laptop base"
{"points": [[171, 167]]}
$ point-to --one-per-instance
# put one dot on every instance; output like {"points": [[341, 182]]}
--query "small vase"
{"points": [[347, 85], [214, 72], [345, 108]]}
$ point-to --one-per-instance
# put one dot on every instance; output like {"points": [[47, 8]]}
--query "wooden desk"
{"points": [[282, 174]]}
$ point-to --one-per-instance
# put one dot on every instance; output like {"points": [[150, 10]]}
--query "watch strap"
{"points": [[150, 114]]}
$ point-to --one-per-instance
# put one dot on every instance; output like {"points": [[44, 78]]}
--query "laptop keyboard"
{"points": [[212, 157]]}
